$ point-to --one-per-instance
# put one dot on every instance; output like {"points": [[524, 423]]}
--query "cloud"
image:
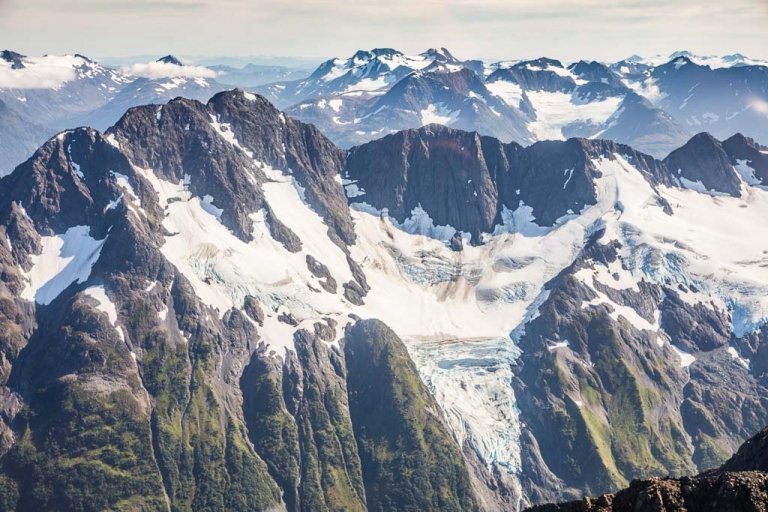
{"points": [[760, 106], [164, 70], [41, 73]]}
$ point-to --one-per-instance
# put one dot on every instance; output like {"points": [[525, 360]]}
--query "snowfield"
{"points": [[65, 259], [557, 110]]}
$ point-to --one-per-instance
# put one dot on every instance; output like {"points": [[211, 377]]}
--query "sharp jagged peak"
{"points": [[634, 58], [85, 58], [440, 55], [170, 59], [366, 55], [679, 62], [702, 164]]}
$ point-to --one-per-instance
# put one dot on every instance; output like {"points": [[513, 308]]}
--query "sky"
{"points": [[488, 29]]}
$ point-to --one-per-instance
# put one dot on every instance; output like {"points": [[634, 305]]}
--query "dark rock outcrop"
{"points": [[15, 59], [703, 161], [745, 151], [741, 484], [467, 181]]}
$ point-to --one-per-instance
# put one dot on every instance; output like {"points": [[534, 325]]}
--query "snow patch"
{"points": [[64, 259], [736, 357], [438, 114], [105, 305], [510, 92], [686, 359], [557, 110]]}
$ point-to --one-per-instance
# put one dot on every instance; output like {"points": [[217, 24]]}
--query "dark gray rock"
{"points": [[703, 159]]}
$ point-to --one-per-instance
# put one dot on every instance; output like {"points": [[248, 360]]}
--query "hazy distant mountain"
{"points": [[19, 138], [252, 75], [50, 90], [361, 98], [654, 104], [722, 100]]}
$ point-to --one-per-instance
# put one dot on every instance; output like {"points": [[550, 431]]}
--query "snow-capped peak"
{"points": [[15, 59], [439, 55], [713, 61], [48, 71]]}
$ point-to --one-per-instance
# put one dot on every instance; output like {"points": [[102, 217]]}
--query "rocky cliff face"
{"points": [[467, 181]]}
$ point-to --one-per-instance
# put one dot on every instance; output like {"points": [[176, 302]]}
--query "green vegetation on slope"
{"points": [[410, 460]]}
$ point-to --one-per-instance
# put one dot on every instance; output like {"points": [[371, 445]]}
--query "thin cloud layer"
{"points": [[39, 73], [165, 70]]}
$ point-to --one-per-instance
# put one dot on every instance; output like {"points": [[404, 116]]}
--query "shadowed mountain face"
{"points": [[467, 181], [211, 306]]}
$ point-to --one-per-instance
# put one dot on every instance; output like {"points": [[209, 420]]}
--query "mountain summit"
{"points": [[170, 59]]}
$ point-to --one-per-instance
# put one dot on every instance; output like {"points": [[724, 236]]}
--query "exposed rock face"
{"points": [[605, 398], [595, 72], [751, 456], [122, 388], [461, 92], [467, 181], [299, 421], [15, 59], [536, 75], [286, 143], [727, 491], [744, 151], [170, 59], [161, 391], [703, 161], [740, 484], [456, 97]]}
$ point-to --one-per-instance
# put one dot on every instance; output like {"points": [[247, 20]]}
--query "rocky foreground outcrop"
{"points": [[741, 484]]}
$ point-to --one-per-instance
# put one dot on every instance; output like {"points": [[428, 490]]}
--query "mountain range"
{"points": [[654, 105], [212, 306]]}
